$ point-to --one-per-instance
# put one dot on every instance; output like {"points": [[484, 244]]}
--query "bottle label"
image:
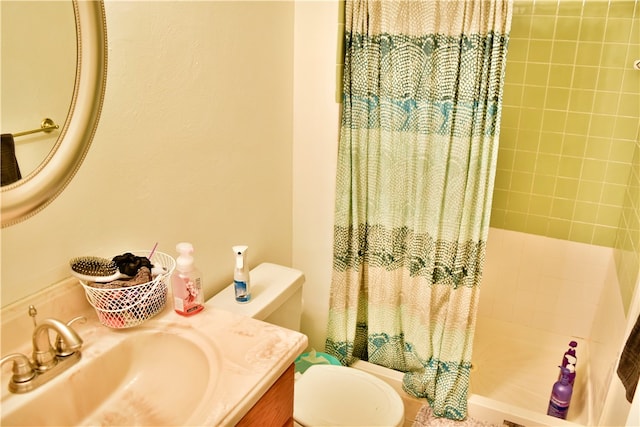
{"points": [[242, 291], [558, 408]]}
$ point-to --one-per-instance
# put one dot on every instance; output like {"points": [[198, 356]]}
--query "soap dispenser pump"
{"points": [[186, 282], [241, 274]]}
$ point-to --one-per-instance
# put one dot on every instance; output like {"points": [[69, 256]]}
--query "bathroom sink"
{"points": [[150, 377]]}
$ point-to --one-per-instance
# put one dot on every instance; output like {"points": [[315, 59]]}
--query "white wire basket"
{"points": [[130, 306]]}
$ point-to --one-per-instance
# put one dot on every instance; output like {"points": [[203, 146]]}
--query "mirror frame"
{"points": [[31, 194]]}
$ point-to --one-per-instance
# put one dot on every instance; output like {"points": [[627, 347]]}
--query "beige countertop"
{"points": [[249, 356]]}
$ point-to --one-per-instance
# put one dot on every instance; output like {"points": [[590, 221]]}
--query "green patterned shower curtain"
{"points": [[418, 144]]}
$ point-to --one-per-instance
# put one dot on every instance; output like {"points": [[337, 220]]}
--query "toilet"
{"points": [[324, 395]]}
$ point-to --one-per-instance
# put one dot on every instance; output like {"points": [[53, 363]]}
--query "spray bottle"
{"points": [[241, 274], [186, 282], [560, 396], [569, 361]]}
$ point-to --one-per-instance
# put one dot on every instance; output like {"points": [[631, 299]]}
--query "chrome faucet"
{"points": [[44, 355], [47, 362]]}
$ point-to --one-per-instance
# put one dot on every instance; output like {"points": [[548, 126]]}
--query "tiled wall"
{"points": [[570, 119], [627, 252], [545, 283]]}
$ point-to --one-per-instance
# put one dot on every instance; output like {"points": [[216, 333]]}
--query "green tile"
{"points": [[508, 138], [570, 167], [581, 232], [533, 96], [542, 27], [585, 78], [588, 54], [617, 173], [520, 26], [618, 30], [514, 72], [626, 128], [512, 95], [560, 75], [540, 205], [598, 148], [564, 52], [578, 123], [570, 8], [515, 220], [613, 194], [589, 191], [521, 181], [558, 228], [543, 185], [606, 102], [557, 99], [544, 9], [585, 212], [567, 28], [503, 180], [621, 151], [574, 145], [536, 74], [518, 202], [612, 56], [602, 125], [594, 169], [539, 51], [609, 215], [531, 119], [517, 50], [629, 105], [510, 117], [581, 101], [630, 81], [497, 218], [524, 161], [595, 8], [499, 199], [537, 225], [547, 164], [610, 79], [621, 9], [604, 236], [592, 29], [528, 139], [554, 121], [567, 188]]}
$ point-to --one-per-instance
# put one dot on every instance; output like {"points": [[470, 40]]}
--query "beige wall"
{"points": [[194, 143]]}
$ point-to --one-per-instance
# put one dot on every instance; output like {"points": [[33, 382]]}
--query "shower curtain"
{"points": [[418, 144]]}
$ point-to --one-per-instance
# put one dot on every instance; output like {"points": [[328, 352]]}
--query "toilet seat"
{"points": [[328, 395]]}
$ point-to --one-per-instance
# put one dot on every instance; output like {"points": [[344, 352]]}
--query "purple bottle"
{"points": [[560, 396], [569, 361]]}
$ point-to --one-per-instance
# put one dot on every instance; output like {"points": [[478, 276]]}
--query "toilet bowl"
{"points": [[328, 395], [324, 395]]}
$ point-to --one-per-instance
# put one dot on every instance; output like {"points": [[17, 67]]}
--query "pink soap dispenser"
{"points": [[186, 282]]}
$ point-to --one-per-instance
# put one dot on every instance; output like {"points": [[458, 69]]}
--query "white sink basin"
{"points": [[151, 377]]}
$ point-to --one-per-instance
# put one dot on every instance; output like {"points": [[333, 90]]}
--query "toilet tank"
{"points": [[276, 296]]}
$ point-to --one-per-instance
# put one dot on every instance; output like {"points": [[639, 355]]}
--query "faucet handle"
{"points": [[61, 346], [22, 368]]}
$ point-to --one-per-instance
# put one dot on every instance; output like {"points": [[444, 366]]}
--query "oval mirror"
{"points": [[32, 193]]}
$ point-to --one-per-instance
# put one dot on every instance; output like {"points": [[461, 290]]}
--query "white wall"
{"points": [[194, 143], [315, 143]]}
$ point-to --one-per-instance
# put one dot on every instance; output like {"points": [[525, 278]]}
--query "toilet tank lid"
{"points": [[271, 285]]}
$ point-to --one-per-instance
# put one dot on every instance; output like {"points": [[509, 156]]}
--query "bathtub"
{"points": [[537, 295]]}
